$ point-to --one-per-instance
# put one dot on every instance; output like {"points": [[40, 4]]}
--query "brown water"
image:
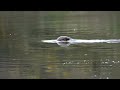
{"points": [[24, 56]]}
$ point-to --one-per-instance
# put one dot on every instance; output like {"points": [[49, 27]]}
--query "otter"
{"points": [[63, 38]]}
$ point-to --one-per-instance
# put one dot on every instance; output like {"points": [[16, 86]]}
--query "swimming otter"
{"points": [[63, 38]]}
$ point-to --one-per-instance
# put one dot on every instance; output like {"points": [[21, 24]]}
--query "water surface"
{"points": [[24, 56]]}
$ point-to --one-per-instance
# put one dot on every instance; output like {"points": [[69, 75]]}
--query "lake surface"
{"points": [[24, 56]]}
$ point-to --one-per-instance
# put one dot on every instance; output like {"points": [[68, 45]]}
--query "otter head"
{"points": [[63, 38]]}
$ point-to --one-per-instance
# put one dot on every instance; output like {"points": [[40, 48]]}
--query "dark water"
{"points": [[24, 56]]}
